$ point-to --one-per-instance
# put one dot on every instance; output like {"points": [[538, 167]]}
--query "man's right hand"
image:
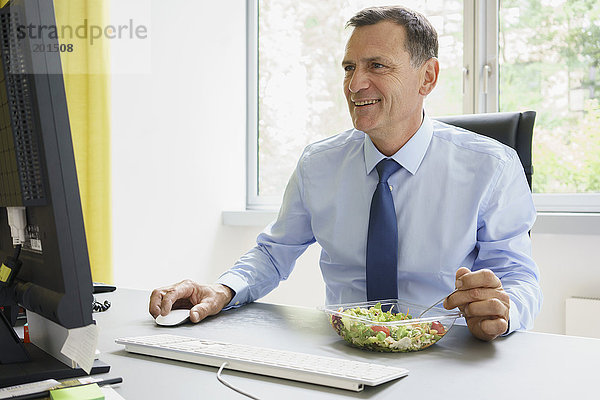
{"points": [[202, 300]]}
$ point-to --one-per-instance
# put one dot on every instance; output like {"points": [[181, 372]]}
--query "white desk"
{"points": [[521, 366]]}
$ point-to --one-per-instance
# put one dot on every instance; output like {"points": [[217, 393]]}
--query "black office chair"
{"points": [[514, 129]]}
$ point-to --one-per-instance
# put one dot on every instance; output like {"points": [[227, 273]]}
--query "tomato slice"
{"points": [[438, 327], [381, 329]]}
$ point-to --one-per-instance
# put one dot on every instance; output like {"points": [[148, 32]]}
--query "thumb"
{"points": [[462, 271], [459, 273], [205, 308]]}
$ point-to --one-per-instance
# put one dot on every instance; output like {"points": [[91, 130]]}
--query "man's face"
{"points": [[381, 87]]}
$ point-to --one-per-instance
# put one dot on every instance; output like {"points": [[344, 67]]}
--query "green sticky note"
{"points": [[85, 392]]}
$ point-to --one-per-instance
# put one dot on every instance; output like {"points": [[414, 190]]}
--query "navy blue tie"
{"points": [[382, 239]]}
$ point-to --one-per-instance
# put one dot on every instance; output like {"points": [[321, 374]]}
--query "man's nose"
{"points": [[358, 81]]}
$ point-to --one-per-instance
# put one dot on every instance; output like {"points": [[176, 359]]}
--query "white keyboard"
{"points": [[327, 371]]}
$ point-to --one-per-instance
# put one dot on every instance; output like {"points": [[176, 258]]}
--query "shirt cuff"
{"points": [[513, 315], [239, 287]]}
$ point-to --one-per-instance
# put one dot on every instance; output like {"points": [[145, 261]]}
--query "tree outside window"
{"points": [[549, 62]]}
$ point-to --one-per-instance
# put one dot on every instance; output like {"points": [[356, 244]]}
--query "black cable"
{"points": [[100, 307], [17, 251]]}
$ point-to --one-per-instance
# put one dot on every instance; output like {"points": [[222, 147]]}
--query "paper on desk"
{"points": [[80, 346], [111, 394]]}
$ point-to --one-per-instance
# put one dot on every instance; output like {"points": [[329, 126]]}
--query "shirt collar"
{"points": [[409, 156]]}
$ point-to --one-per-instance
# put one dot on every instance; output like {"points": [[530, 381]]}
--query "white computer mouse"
{"points": [[174, 318]]}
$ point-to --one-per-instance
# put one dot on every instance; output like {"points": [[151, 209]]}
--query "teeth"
{"points": [[365, 102]]}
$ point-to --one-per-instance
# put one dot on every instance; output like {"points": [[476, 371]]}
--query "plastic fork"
{"points": [[437, 302]]}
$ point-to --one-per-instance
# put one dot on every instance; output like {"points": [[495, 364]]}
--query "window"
{"points": [[300, 98], [295, 81], [549, 61]]}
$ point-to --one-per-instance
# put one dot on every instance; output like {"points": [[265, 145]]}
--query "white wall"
{"points": [[569, 267], [179, 161], [179, 146]]}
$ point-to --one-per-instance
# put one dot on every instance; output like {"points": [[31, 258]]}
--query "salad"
{"points": [[375, 329]]}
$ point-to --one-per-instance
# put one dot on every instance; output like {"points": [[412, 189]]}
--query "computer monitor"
{"points": [[37, 172]]}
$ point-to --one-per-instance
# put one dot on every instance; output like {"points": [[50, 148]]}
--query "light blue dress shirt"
{"points": [[461, 199]]}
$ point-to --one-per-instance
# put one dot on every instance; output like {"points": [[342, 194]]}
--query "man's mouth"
{"points": [[360, 103]]}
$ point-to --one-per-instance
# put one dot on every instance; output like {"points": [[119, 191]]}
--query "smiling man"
{"points": [[384, 89], [402, 206]]}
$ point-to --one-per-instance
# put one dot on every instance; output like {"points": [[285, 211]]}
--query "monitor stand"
{"points": [[11, 348], [24, 362]]}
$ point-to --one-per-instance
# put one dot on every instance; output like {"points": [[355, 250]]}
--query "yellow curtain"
{"points": [[86, 71]]}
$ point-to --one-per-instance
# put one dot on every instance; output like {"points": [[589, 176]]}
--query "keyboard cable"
{"points": [[229, 385]]}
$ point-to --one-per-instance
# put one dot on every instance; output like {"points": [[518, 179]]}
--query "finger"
{"points": [[476, 326], [487, 328], [462, 271], [207, 306], [487, 308], [481, 278], [494, 327], [155, 300], [464, 297], [168, 295]]}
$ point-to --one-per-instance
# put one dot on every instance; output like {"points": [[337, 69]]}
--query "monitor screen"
{"points": [[38, 184]]}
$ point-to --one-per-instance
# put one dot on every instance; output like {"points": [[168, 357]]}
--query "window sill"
{"points": [[567, 223], [564, 223], [568, 203], [259, 218]]}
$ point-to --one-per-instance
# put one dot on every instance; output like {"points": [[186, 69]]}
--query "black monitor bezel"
{"points": [[55, 283]]}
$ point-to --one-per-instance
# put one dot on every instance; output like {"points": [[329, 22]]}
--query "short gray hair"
{"points": [[421, 36]]}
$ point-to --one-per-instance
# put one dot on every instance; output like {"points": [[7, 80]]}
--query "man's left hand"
{"points": [[483, 302]]}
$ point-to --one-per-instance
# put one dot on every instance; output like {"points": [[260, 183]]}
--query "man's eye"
{"points": [[349, 68], [377, 65]]}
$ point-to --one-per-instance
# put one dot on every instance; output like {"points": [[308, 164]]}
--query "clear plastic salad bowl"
{"points": [[388, 325]]}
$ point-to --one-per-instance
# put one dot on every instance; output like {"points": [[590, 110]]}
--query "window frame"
{"points": [[480, 80]]}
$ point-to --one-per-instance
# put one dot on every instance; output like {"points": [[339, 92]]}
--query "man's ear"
{"points": [[429, 75]]}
